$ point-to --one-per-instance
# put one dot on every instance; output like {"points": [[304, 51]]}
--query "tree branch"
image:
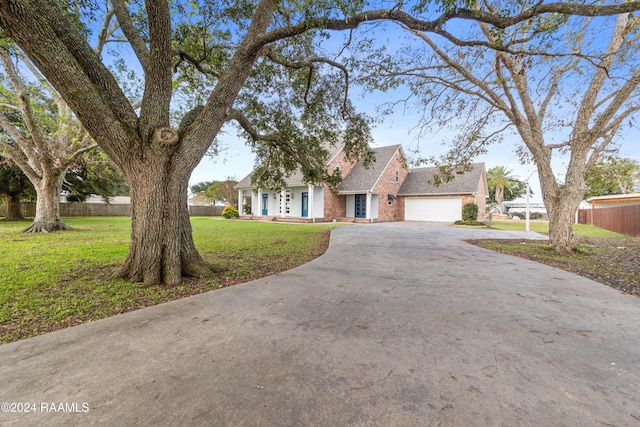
{"points": [[309, 64], [105, 32], [184, 56], [273, 140], [435, 26], [131, 32], [76, 154], [24, 104]]}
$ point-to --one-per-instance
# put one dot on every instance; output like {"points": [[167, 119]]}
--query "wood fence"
{"points": [[621, 219], [102, 209]]}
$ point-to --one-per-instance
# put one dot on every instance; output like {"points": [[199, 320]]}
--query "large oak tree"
{"points": [[39, 134], [564, 85], [258, 64]]}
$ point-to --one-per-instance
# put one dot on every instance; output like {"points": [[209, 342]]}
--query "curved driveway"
{"points": [[398, 324]]}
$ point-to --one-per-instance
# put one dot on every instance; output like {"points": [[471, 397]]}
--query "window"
{"points": [[397, 175]]}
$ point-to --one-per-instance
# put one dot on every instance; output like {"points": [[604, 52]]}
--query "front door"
{"points": [[305, 204], [265, 204], [361, 206]]}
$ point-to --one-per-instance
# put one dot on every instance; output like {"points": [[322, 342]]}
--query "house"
{"points": [[385, 191]]}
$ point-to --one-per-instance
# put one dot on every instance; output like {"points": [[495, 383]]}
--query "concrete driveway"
{"points": [[399, 324]]}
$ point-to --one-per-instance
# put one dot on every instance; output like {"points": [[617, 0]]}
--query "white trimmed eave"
{"points": [[435, 194], [348, 193]]}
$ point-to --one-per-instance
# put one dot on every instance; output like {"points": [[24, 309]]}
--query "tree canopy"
{"points": [[564, 86], [613, 175]]}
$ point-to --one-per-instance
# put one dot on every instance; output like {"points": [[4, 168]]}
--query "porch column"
{"points": [[368, 208], [258, 205], [310, 201], [241, 202], [283, 203]]}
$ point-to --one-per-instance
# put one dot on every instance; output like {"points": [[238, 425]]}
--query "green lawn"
{"points": [[50, 281], [579, 230]]}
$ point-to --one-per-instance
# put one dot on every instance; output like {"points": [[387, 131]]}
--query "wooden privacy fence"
{"points": [[102, 209], [620, 219]]}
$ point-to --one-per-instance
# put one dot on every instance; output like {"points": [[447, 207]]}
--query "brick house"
{"points": [[375, 194]]}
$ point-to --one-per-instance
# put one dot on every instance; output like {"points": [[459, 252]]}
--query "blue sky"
{"points": [[400, 127]]}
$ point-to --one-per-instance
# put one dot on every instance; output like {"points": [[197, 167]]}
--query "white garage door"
{"points": [[441, 209]]}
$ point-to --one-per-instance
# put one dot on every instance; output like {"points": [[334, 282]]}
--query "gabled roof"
{"points": [[296, 177], [361, 179], [420, 182]]}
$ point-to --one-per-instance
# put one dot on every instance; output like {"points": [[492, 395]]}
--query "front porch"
{"points": [[302, 203], [300, 220]]}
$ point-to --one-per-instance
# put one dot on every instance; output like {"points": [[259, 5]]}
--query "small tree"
{"points": [[223, 192], [502, 186]]}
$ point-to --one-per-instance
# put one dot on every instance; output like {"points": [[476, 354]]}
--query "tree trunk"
{"points": [[47, 217], [561, 220], [12, 208], [162, 248]]}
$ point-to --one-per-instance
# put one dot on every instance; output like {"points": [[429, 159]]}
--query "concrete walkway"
{"points": [[399, 324]]}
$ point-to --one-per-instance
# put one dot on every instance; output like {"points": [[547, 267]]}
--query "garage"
{"points": [[440, 209]]}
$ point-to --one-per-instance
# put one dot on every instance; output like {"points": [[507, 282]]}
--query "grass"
{"points": [[604, 256], [51, 281]]}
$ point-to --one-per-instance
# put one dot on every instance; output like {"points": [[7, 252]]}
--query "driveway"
{"points": [[399, 324]]}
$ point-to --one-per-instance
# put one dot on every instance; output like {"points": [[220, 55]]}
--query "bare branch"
{"points": [[558, 145], [77, 154], [601, 73], [435, 26], [131, 32], [495, 99], [105, 32], [24, 103], [9, 106]]}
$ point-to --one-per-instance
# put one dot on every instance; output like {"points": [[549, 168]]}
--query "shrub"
{"points": [[470, 212], [246, 209], [230, 212]]}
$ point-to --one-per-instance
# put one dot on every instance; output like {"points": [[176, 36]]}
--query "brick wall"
{"points": [[388, 185], [336, 206]]}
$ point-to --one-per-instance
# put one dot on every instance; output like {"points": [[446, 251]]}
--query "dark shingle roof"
{"points": [[420, 182], [296, 178], [361, 179]]}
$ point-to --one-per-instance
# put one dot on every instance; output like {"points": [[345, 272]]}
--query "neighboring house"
{"points": [[615, 200], [386, 191], [199, 200]]}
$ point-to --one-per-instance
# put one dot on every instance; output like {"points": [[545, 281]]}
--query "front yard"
{"points": [[52, 281]]}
